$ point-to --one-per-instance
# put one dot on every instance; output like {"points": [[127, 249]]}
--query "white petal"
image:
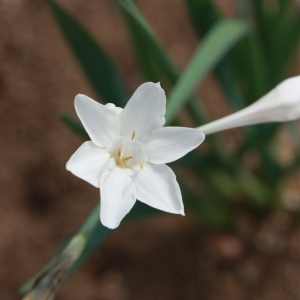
{"points": [[156, 186], [164, 145], [101, 123], [144, 111], [118, 196], [89, 162]]}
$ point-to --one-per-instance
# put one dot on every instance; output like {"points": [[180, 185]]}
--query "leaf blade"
{"points": [[221, 38], [98, 67]]}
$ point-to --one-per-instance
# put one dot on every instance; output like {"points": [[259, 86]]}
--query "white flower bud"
{"points": [[280, 105]]}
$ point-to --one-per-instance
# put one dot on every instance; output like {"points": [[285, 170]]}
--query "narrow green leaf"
{"points": [[277, 26], [146, 39], [74, 125], [221, 38], [256, 190], [99, 69], [157, 65], [253, 69], [289, 34], [204, 15], [146, 63]]}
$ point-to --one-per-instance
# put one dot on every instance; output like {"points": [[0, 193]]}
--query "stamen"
{"points": [[112, 155], [119, 153], [127, 158], [142, 165], [133, 135], [121, 164]]}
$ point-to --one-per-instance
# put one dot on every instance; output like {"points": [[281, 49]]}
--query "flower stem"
{"points": [[86, 231]]}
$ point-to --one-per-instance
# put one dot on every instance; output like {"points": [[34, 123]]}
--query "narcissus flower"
{"points": [[280, 105], [127, 153]]}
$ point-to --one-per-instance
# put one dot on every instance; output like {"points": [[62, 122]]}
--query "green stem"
{"points": [[86, 230], [91, 222]]}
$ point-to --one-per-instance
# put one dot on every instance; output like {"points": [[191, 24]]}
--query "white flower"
{"points": [[127, 155], [280, 105]]}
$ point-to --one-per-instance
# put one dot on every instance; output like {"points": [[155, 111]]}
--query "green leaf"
{"points": [[217, 43], [154, 60], [277, 25], [149, 49], [289, 34], [74, 125], [99, 69], [257, 190], [204, 14], [253, 69]]}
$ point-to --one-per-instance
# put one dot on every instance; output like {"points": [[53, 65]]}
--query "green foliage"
{"points": [[219, 40], [154, 61], [204, 15], [98, 67]]}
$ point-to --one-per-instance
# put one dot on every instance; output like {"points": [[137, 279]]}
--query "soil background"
{"points": [[166, 257]]}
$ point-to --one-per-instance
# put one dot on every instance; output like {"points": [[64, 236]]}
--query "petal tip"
{"points": [[201, 137], [68, 164], [78, 97], [81, 98], [78, 100], [109, 225]]}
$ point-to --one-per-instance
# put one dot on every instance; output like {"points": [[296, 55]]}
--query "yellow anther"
{"points": [[133, 135], [127, 158], [121, 164], [142, 165], [112, 155], [119, 153]]}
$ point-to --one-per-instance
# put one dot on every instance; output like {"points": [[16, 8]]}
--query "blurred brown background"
{"points": [[168, 257]]}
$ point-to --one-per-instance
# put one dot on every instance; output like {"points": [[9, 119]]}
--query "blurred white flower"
{"points": [[127, 153], [280, 105]]}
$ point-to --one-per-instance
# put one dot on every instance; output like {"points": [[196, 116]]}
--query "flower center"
{"points": [[121, 162], [128, 153]]}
